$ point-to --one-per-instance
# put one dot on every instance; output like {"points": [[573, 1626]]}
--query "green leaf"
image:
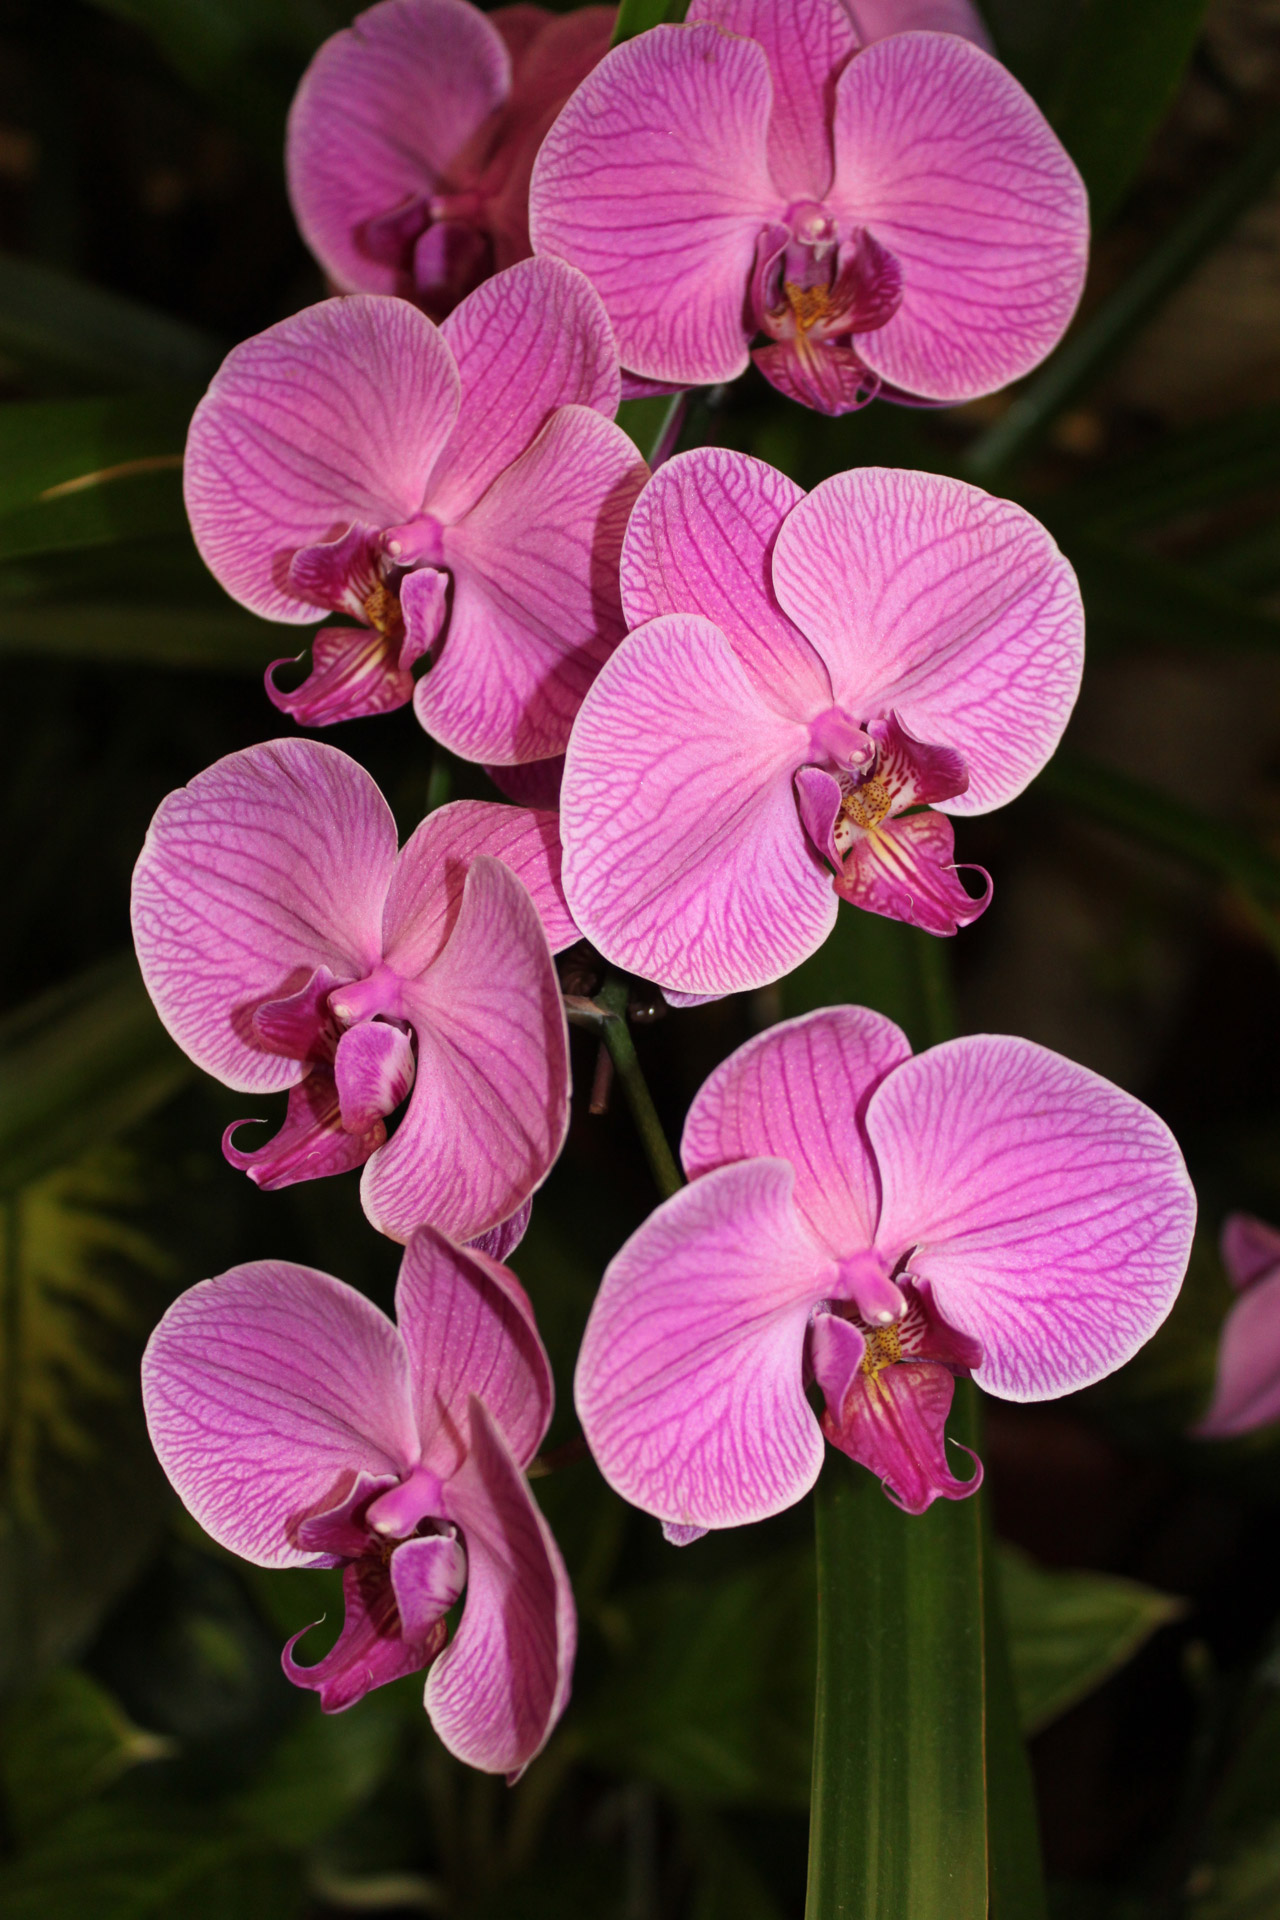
{"points": [[1068, 1632], [1243, 1886], [712, 1694], [899, 1811], [85, 473], [637, 16], [53, 323], [1092, 346], [78, 1064], [1122, 70], [1015, 1867], [322, 1767], [64, 1743]]}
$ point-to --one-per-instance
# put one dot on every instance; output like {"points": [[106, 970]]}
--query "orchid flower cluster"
{"points": [[718, 706]]}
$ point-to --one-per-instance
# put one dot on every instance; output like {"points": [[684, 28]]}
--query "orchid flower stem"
{"points": [[617, 1037]]}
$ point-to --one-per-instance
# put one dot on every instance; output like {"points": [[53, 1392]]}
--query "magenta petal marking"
{"points": [[911, 772], [340, 1532], [1249, 1248], [268, 1392], [892, 1420], [338, 574], [677, 1536], [501, 1242], [498, 1690], [835, 1354], [799, 1092], [312, 1143], [905, 869], [371, 1650], [819, 374], [373, 1070], [424, 605], [1246, 1392], [299, 1025], [819, 798], [427, 1578], [690, 1379], [355, 671]]}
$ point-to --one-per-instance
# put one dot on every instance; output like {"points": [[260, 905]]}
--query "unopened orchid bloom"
{"points": [[874, 1224], [1246, 1393], [895, 215], [302, 1428], [806, 674], [413, 134], [461, 491], [287, 944]]}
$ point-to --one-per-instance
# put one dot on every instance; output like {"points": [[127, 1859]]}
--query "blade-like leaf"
{"points": [[1122, 69], [53, 322], [1015, 1865], [65, 1743]]}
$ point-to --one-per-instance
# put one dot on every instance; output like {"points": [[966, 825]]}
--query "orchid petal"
{"points": [[490, 1104], [371, 1650], [906, 870], [267, 1391], [469, 1329], [685, 859], [525, 342], [334, 415], [501, 1241], [699, 540], [819, 374], [536, 608], [798, 1092], [427, 1578], [373, 1071], [655, 181], [1246, 1392], [927, 596], [690, 1382], [383, 114], [426, 888], [312, 1143], [534, 783], [808, 42], [1249, 1248], [1051, 1212], [893, 1420], [497, 1691], [877, 19], [271, 863], [355, 671], [957, 172], [819, 797]]}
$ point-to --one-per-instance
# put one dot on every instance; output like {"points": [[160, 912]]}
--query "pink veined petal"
{"points": [[354, 671], [490, 1104], [536, 609], [495, 1694], [427, 1576], [817, 373], [373, 1070], [271, 863], [426, 888], [334, 415], [877, 19], [1249, 1248], [957, 172], [267, 1391], [371, 1650], [655, 181], [1051, 1212], [311, 1144], [383, 113], [808, 43], [798, 1092], [690, 1381], [906, 870], [1246, 1392], [954, 609], [501, 1242], [534, 783], [685, 859], [699, 540], [469, 1330], [893, 1421], [525, 342]]}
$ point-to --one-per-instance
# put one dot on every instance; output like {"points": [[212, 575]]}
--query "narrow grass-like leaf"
{"points": [[637, 16], [1015, 1865], [53, 323], [65, 1743], [1092, 346]]}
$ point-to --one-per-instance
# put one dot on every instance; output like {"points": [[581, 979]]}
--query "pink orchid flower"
{"points": [[286, 943], [461, 491], [874, 1224], [1246, 1393], [413, 135], [302, 1428], [896, 214], [805, 671]]}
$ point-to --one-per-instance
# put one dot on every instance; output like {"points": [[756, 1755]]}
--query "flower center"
{"points": [[381, 607], [809, 305], [865, 805], [884, 1348]]}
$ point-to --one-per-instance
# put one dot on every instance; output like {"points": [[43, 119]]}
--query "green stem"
{"points": [[616, 1035]]}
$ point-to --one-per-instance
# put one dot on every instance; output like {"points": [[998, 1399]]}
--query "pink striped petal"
{"points": [[501, 1241], [655, 181], [525, 342], [371, 1650], [956, 171], [273, 862], [877, 19], [798, 1092], [496, 1692], [469, 1329], [1249, 1247], [893, 1421], [1246, 1392], [312, 1142], [490, 1103], [334, 416], [906, 870], [382, 118], [690, 1382], [534, 783], [373, 1071], [426, 888], [267, 1391], [685, 859], [808, 43], [536, 609], [955, 610], [1050, 1212], [699, 540]]}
